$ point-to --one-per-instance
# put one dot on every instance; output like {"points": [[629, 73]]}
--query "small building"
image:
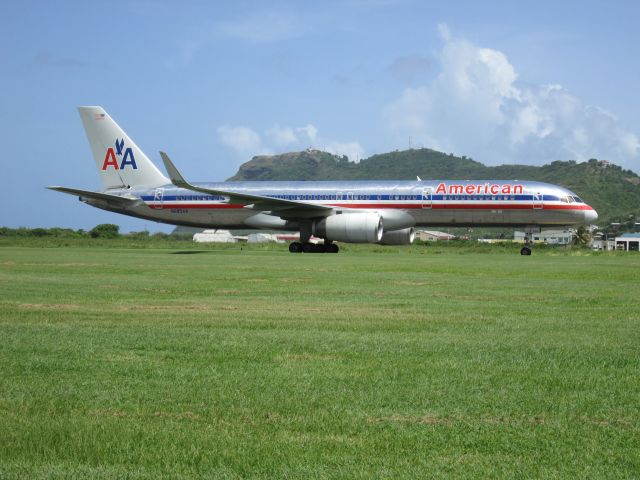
{"points": [[629, 242], [433, 236], [603, 244], [261, 237], [493, 240], [550, 237], [214, 236]]}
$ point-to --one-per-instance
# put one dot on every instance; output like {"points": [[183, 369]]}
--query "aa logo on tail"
{"points": [[126, 154]]}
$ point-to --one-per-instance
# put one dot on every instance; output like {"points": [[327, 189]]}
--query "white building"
{"points": [[629, 242], [214, 236], [550, 237], [433, 235], [263, 238], [600, 243]]}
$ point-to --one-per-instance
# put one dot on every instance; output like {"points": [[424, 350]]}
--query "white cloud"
{"points": [[310, 131], [287, 136], [444, 31], [246, 142], [282, 136], [478, 106], [241, 139]]}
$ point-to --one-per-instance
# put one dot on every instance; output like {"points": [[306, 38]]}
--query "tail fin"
{"points": [[120, 162]]}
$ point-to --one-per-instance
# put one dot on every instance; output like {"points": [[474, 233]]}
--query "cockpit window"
{"points": [[578, 199]]}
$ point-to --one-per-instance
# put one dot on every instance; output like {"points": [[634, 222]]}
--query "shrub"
{"points": [[143, 235], [105, 230]]}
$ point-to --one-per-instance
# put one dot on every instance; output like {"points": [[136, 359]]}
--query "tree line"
{"points": [[103, 230]]}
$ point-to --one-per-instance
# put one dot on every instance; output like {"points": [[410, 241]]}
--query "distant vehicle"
{"points": [[384, 212]]}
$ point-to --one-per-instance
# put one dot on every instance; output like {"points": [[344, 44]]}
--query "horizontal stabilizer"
{"points": [[105, 197]]}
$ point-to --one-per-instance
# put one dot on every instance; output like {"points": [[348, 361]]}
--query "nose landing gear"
{"points": [[528, 242]]}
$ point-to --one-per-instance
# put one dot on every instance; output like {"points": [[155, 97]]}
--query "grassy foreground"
{"points": [[175, 363]]}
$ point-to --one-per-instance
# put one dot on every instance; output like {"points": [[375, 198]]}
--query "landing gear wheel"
{"points": [[331, 248], [525, 251], [308, 247]]}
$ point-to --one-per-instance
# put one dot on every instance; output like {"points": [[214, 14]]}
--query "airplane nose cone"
{"points": [[590, 216]]}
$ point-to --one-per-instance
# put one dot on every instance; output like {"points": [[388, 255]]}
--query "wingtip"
{"points": [[165, 158], [168, 164], [173, 172]]}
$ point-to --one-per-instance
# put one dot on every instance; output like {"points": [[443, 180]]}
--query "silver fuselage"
{"points": [[430, 203]]}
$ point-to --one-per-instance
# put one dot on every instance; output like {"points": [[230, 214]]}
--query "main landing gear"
{"points": [[525, 251], [307, 247]]}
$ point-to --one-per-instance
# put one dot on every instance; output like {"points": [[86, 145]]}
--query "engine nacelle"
{"points": [[406, 236], [262, 220], [350, 227]]}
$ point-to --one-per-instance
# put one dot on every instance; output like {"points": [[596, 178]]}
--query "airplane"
{"points": [[368, 211]]}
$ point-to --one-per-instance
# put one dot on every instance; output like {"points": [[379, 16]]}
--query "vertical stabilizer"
{"points": [[120, 162]]}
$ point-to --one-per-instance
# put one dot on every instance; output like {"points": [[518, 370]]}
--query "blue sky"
{"points": [[214, 83]]}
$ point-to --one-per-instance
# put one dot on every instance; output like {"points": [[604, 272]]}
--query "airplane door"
{"points": [[426, 197], [157, 198], [349, 196], [537, 201]]}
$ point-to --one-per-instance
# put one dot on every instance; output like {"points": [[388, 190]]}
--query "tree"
{"points": [[105, 230], [39, 232], [582, 236]]}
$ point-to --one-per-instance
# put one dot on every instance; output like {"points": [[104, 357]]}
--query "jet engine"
{"points": [[406, 236], [350, 227]]}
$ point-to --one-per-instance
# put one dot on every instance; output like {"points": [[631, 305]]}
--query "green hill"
{"points": [[612, 191]]}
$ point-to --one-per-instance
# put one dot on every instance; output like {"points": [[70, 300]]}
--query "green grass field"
{"points": [[419, 363]]}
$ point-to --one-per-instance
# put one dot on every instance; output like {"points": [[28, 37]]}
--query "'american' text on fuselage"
{"points": [[479, 189]]}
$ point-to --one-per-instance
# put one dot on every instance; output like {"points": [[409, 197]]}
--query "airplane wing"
{"points": [[278, 206], [105, 197]]}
